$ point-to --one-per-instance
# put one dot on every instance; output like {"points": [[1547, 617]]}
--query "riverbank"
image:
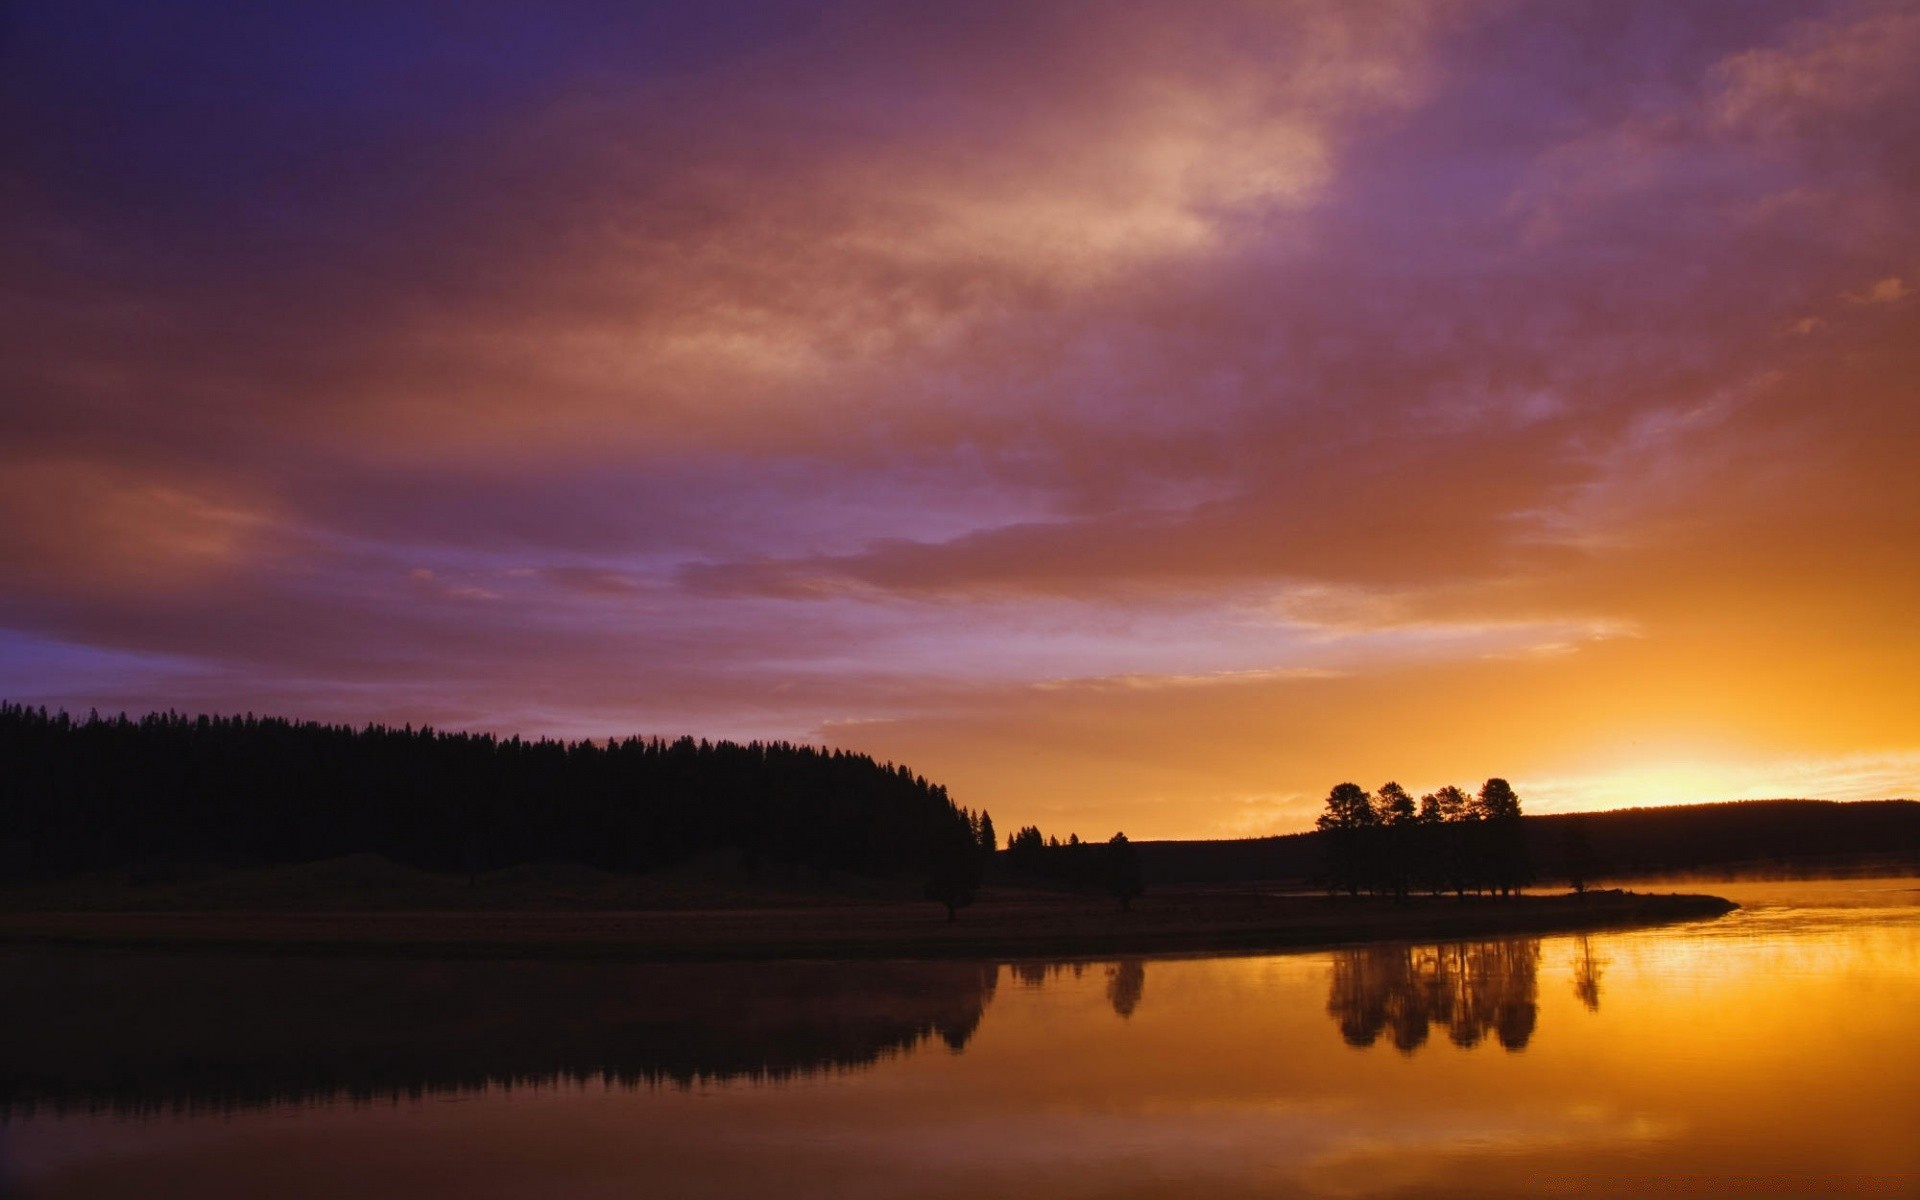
{"points": [[1009, 926]]}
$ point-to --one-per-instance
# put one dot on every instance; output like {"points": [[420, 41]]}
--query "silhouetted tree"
{"points": [[956, 868], [1074, 863], [1348, 820], [1497, 801], [1395, 806], [1026, 852], [1120, 870], [1446, 813], [1503, 865], [1577, 861], [1396, 815]]}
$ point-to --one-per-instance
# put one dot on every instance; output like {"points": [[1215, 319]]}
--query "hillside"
{"points": [[1747, 836], [167, 796]]}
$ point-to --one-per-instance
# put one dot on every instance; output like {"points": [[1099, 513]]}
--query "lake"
{"points": [[1772, 1052]]}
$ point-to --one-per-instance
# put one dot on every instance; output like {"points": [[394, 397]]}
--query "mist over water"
{"points": [[1768, 1052]]}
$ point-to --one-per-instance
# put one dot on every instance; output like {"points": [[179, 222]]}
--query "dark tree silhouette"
{"points": [[168, 791], [1448, 840], [1443, 852], [1577, 862], [1081, 865], [1348, 821], [1395, 806], [1027, 852], [1120, 872], [1497, 801], [1399, 850], [1503, 856], [957, 868]]}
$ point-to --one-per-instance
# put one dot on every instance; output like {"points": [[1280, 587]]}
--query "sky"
{"points": [[1134, 416]]}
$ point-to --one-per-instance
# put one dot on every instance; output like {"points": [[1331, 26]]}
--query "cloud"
{"points": [[1058, 403], [1885, 291], [1204, 679], [68, 523], [1822, 71]]}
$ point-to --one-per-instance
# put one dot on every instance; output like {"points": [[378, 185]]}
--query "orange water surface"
{"points": [[1772, 1052]]}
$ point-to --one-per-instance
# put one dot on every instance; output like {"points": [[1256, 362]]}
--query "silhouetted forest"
{"points": [[167, 789], [1757, 836]]}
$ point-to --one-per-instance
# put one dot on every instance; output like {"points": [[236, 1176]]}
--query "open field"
{"points": [[1005, 925]]}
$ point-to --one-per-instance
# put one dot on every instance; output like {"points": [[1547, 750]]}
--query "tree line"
{"points": [[1112, 866], [166, 789], [1448, 841]]}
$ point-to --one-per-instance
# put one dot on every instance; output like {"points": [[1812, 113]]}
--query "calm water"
{"points": [[1773, 1052]]}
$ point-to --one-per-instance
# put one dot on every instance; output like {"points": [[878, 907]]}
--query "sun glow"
{"points": [[1134, 421], [1721, 777]]}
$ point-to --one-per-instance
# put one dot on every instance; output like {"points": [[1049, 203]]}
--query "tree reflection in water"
{"points": [[1586, 973], [1034, 972], [1469, 988], [1126, 979], [143, 1032]]}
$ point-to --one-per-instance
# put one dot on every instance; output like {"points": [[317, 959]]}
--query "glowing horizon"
{"points": [[1137, 423]]}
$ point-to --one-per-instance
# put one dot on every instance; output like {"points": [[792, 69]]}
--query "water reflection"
{"points": [[1126, 980], [1586, 973], [1035, 972], [1469, 988], [1716, 1066], [142, 1033]]}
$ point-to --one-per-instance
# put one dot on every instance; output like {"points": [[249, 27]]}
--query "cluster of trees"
{"points": [[1112, 866], [1449, 840], [114, 793]]}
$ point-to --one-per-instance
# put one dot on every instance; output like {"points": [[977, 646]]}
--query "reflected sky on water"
{"points": [[1772, 1049]]}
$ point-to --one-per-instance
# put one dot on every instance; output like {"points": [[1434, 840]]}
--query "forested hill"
{"points": [[166, 789], [1760, 836]]}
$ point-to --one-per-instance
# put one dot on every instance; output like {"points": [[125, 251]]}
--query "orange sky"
{"points": [[1141, 422]]}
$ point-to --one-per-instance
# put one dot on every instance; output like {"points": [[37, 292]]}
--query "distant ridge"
{"points": [[1787, 837]]}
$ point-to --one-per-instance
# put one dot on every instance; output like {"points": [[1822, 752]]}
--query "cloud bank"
{"points": [[1131, 417]]}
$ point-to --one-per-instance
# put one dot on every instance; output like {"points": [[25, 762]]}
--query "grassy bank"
{"points": [[1006, 926]]}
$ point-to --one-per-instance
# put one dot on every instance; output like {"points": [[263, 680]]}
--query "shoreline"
{"points": [[1006, 928]]}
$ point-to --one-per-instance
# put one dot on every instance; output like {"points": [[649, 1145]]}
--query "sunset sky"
{"points": [[1133, 415]]}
